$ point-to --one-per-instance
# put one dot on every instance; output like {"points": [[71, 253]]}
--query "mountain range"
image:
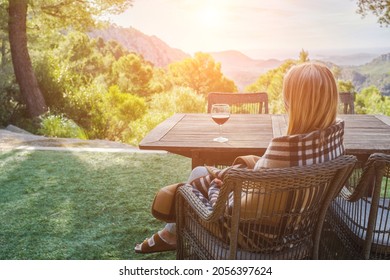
{"points": [[150, 47], [244, 70], [376, 72]]}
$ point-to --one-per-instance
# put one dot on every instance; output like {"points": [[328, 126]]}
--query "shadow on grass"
{"points": [[63, 205]]}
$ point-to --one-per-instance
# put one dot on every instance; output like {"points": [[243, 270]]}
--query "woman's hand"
{"points": [[218, 182]]}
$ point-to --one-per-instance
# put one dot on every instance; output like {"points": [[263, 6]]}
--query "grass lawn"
{"points": [[64, 205]]}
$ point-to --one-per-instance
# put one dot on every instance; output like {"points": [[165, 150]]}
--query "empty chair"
{"points": [[280, 217], [347, 105], [358, 220], [241, 103]]}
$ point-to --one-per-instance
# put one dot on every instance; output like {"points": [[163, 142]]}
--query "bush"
{"points": [[11, 107], [121, 110], [178, 100], [86, 107], [104, 114], [60, 126], [162, 106], [142, 126], [371, 101]]}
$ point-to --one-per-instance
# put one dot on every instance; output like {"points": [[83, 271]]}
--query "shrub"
{"points": [[178, 100], [371, 101], [104, 114], [121, 110], [141, 127], [132, 74], [162, 106], [11, 107], [60, 126], [86, 107]]}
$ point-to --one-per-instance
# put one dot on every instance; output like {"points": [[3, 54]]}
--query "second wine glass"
{"points": [[220, 113]]}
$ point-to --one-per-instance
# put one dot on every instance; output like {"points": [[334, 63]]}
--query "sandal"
{"points": [[154, 244]]}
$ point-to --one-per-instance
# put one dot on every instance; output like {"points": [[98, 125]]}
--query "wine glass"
{"points": [[220, 113]]}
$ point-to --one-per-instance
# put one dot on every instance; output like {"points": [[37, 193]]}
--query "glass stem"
{"points": [[220, 130]]}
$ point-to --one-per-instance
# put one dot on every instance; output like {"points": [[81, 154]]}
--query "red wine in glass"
{"points": [[220, 113], [221, 119]]}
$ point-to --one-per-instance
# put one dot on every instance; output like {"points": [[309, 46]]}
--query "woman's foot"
{"points": [[161, 241]]}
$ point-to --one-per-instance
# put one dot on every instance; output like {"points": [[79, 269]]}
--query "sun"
{"points": [[209, 17]]}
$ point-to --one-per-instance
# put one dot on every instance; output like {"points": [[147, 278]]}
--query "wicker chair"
{"points": [[358, 221], [241, 103], [279, 217], [347, 100]]}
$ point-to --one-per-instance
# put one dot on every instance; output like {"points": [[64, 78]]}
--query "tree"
{"points": [[380, 8], [121, 110], [303, 56], [200, 73], [132, 74], [371, 101], [69, 65], [64, 14], [9, 96], [336, 70], [272, 83], [345, 86], [21, 61]]}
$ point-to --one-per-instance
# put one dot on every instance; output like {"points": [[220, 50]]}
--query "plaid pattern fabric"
{"points": [[205, 188], [294, 150], [209, 200], [304, 149]]}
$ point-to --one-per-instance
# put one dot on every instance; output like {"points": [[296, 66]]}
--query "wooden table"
{"points": [[192, 135]]}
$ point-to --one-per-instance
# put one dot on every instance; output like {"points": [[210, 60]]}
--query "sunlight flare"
{"points": [[209, 17]]}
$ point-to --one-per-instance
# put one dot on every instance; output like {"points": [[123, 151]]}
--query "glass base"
{"points": [[220, 139]]}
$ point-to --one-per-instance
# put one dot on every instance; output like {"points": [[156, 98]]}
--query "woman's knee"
{"points": [[197, 172]]}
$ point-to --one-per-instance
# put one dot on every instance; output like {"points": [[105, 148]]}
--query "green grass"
{"points": [[64, 205]]}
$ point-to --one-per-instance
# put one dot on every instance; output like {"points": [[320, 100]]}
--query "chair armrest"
{"points": [[198, 206], [373, 171]]}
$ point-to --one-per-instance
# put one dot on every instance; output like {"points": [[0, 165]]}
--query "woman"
{"points": [[313, 136]]}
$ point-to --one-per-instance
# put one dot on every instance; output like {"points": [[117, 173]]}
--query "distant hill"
{"points": [[150, 47], [244, 70], [376, 72], [345, 60]]}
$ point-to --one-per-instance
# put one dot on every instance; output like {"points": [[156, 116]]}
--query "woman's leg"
{"points": [[168, 233]]}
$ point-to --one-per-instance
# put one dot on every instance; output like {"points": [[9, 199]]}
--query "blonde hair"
{"points": [[311, 98]]}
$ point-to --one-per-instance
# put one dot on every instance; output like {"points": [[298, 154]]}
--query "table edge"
{"points": [[383, 118], [160, 131]]}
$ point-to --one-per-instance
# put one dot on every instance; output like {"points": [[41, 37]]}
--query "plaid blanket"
{"points": [[293, 150], [304, 149]]}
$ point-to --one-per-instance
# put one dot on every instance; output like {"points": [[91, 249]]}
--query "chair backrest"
{"points": [[347, 104], [241, 103], [360, 215], [277, 213]]}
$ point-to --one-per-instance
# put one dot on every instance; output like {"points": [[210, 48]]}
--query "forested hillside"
{"points": [[237, 66], [150, 47], [376, 72]]}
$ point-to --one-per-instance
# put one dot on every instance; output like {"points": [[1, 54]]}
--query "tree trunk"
{"points": [[21, 61]]}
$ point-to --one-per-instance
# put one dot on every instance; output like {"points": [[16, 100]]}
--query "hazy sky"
{"points": [[257, 27]]}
